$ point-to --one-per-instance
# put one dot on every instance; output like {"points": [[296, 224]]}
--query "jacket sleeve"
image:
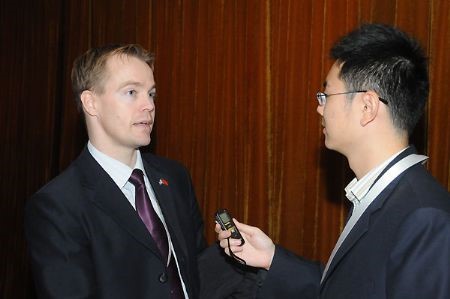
{"points": [[419, 265], [59, 251], [222, 277], [291, 276]]}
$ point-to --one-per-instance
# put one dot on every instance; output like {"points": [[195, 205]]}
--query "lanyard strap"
{"points": [[390, 175]]}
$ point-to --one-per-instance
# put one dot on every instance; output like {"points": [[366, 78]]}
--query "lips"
{"points": [[143, 122]]}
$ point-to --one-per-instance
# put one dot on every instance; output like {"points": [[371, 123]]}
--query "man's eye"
{"points": [[131, 92], [152, 94]]}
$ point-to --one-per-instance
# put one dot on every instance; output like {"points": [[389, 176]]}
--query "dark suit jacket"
{"points": [[399, 248], [87, 241]]}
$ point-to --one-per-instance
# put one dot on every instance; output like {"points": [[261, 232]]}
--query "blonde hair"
{"points": [[88, 71]]}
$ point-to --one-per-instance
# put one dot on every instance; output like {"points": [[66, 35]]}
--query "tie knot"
{"points": [[137, 178]]}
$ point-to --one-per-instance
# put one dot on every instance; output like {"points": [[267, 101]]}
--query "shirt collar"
{"points": [[356, 190], [118, 171]]}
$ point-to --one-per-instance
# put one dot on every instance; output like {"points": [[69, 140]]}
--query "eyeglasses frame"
{"points": [[322, 97]]}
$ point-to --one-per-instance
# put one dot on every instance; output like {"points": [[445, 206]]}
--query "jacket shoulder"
{"points": [[163, 163]]}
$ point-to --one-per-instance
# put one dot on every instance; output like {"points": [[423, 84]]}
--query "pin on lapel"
{"points": [[163, 182]]}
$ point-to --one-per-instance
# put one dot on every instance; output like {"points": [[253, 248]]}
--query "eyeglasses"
{"points": [[322, 97]]}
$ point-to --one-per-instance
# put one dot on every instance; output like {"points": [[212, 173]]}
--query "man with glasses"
{"points": [[396, 242]]}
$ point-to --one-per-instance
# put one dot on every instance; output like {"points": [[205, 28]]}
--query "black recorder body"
{"points": [[226, 223]]}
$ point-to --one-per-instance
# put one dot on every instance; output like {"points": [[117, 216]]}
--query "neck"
{"points": [[369, 157], [115, 150], [123, 155]]}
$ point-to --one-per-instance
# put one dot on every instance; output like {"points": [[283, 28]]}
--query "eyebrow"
{"points": [[324, 84], [136, 83]]}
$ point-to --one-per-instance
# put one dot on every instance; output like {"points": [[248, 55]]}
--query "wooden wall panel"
{"points": [[208, 114], [236, 83], [438, 146], [290, 25], [29, 53], [77, 25]]}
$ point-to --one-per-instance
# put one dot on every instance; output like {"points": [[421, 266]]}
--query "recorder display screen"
{"points": [[225, 217]]}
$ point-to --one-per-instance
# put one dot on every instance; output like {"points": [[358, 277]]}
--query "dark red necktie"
{"points": [[156, 228]]}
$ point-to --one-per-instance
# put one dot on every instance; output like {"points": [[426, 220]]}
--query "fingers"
{"points": [[225, 240], [217, 228], [221, 234], [246, 230], [235, 246]]}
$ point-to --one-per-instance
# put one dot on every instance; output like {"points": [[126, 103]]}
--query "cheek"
{"points": [[118, 113], [111, 116], [327, 114]]}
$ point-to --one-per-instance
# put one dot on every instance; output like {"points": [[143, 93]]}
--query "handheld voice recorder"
{"points": [[226, 223]]}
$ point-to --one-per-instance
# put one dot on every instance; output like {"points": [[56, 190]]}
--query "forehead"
{"points": [[333, 80], [121, 68]]}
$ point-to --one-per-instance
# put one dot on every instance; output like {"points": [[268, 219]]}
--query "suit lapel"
{"points": [[107, 196], [161, 184], [359, 230], [362, 225]]}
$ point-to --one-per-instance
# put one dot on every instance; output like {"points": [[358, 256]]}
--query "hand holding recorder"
{"points": [[255, 248]]}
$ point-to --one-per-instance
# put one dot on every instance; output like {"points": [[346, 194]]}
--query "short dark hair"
{"points": [[88, 71], [386, 60]]}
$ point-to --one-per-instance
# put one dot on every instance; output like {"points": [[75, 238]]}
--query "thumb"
{"points": [[244, 228]]}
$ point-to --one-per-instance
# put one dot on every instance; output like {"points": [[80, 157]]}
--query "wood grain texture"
{"points": [[236, 83], [29, 38]]}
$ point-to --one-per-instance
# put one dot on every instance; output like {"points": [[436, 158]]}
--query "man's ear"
{"points": [[88, 102], [369, 107]]}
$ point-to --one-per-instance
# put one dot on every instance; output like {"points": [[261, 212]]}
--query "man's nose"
{"points": [[320, 109], [149, 103]]}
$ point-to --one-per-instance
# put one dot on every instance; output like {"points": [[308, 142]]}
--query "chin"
{"points": [[140, 143], [328, 144], [146, 143], [334, 147]]}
